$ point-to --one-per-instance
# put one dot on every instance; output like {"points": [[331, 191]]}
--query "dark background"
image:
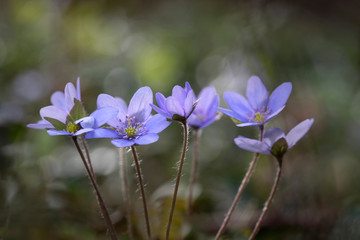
{"points": [[118, 46]]}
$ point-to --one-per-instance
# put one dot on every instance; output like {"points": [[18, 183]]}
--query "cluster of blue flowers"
{"points": [[134, 124]]}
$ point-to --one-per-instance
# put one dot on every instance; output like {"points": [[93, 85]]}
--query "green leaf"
{"points": [[76, 112], [56, 123]]}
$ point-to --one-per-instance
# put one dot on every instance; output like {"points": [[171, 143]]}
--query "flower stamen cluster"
{"points": [[132, 129]]}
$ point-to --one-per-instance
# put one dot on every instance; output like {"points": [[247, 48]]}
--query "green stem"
{"points": [[193, 172], [268, 202], [97, 192], [142, 189], [125, 191], [177, 179], [241, 189]]}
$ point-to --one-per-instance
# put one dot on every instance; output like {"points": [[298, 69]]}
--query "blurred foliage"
{"points": [[117, 47]]}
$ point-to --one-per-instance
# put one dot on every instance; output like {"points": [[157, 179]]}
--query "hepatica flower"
{"points": [[206, 109], [275, 142], [67, 116], [179, 105], [258, 108], [133, 124]]}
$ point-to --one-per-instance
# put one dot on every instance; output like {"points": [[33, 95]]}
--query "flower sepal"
{"points": [[58, 125], [279, 148], [77, 112]]}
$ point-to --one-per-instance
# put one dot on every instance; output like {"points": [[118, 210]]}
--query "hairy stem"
{"points": [[125, 191], [241, 189], [101, 202], [268, 202], [193, 172], [142, 189], [177, 179]]}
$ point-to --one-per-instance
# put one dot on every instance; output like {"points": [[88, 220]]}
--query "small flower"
{"points": [[179, 105], [133, 125], [67, 116], [275, 142], [206, 110], [258, 108]]}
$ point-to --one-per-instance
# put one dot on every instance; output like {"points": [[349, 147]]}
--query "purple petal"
{"points": [[189, 103], [174, 107], [53, 112], [102, 133], [156, 124], [78, 90], [257, 94], [233, 114], [272, 135], [248, 124], [238, 104], [139, 105], [179, 93], [273, 114], [147, 139], [160, 99], [252, 145], [86, 122], [105, 100], [279, 96], [82, 131], [58, 100], [298, 132], [70, 94], [122, 142], [187, 87], [52, 132], [42, 124], [194, 121], [161, 111], [208, 101], [103, 115]]}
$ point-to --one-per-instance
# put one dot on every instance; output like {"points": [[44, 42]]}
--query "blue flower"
{"points": [[179, 105], [205, 112], [258, 108], [67, 116], [275, 142], [133, 125]]}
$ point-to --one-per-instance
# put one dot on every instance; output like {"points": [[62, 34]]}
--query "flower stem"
{"points": [[142, 189], [177, 179], [268, 202], [125, 191], [87, 155], [101, 202], [241, 188], [193, 173]]}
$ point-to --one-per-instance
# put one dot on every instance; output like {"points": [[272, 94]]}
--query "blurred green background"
{"points": [[118, 46]]}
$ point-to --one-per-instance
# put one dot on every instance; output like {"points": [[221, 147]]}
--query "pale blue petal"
{"points": [[78, 90], [82, 131], [257, 94], [272, 135], [122, 142], [53, 112], [42, 124], [174, 107], [189, 103], [102, 133], [70, 94], [52, 132], [194, 121], [208, 102], [160, 99], [273, 114], [165, 113], [298, 132], [86, 122], [156, 123], [105, 100], [187, 87], [58, 100], [147, 139], [103, 115], [279, 96], [252, 145], [139, 106], [238, 104], [233, 114], [248, 124]]}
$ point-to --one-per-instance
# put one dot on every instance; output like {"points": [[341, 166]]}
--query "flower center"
{"points": [[259, 117], [131, 129], [72, 127]]}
